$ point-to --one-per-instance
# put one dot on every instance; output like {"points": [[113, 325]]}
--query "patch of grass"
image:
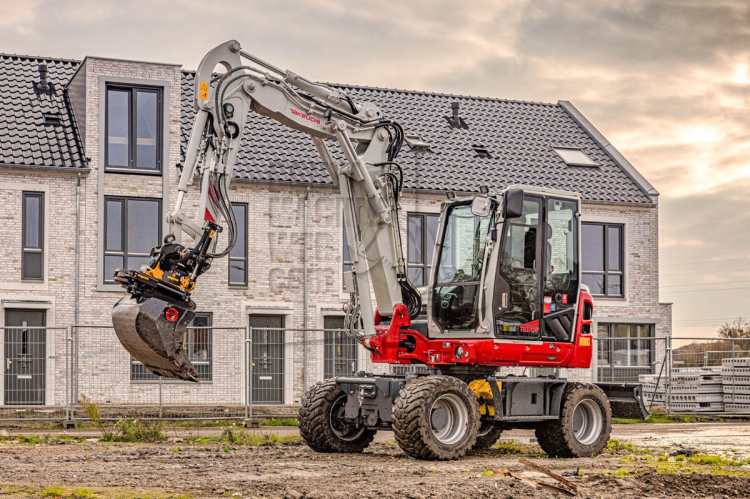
{"points": [[716, 460], [242, 437], [43, 439], [279, 422], [55, 491], [614, 446], [513, 448], [623, 472], [659, 416], [136, 431]]}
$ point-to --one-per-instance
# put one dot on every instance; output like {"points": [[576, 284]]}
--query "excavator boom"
{"points": [[151, 322]]}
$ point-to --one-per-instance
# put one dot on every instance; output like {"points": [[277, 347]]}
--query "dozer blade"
{"points": [[153, 331]]}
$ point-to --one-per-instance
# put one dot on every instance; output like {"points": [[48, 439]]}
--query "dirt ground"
{"points": [[644, 460]]}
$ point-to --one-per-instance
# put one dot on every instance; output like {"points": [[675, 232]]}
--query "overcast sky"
{"points": [[667, 82]]}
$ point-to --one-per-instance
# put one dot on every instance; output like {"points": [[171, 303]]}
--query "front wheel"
{"points": [[436, 417], [321, 421], [584, 426]]}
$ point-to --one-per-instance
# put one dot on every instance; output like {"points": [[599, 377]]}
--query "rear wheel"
{"points": [[436, 417], [584, 426], [321, 421], [488, 434]]}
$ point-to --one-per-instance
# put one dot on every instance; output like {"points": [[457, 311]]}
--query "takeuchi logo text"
{"points": [[305, 116]]}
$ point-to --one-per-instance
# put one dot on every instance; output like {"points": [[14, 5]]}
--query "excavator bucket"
{"points": [[153, 331]]}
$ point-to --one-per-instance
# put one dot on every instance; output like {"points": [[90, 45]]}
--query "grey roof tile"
{"points": [[519, 136], [24, 138]]}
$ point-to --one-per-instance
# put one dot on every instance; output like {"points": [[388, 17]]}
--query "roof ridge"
{"points": [[442, 94], [4, 55], [424, 92]]}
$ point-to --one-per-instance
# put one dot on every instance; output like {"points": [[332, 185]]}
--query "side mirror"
{"points": [[480, 207], [512, 203]]}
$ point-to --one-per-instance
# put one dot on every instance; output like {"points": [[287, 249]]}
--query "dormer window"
{"points": [[574, 156]]}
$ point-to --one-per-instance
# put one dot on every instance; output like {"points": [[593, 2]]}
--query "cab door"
{"points": [[517, 301], [560, 280]]}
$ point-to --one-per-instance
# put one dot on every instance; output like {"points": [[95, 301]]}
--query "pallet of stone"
{"points": [[737, 408], [739, 389], [697, 406], [736, 362], [700, 398]]}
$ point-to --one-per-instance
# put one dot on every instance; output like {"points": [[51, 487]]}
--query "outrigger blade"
{"points": [[153, 331]]}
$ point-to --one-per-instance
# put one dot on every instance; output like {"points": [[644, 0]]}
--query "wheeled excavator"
{"points": [[505, 291]]}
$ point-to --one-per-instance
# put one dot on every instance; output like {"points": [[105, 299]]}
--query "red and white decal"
{"points": [[304, 116], [530, 327]]}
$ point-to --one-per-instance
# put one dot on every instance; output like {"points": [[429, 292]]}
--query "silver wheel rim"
{"points": [[449, 419], [587, 422], [485, 428], [342, 431]]}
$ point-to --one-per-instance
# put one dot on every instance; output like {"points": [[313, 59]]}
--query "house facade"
{"points": [[89, 164]]}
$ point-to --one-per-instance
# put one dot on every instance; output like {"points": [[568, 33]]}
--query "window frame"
{"points": [[610, 339], [40, 250], [606, 272], [148, 377], [132, 129], [124, 234], [426, 269], [245, 259]]}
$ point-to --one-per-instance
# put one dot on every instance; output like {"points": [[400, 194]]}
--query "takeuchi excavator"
{"points": [[505, 292]]}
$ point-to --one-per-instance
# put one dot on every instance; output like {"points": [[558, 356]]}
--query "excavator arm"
{"points": [[152, 321]]}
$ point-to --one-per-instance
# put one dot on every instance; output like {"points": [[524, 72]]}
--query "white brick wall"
{"points": [[275, 248]]}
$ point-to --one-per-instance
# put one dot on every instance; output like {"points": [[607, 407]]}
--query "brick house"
{"points": [[88, 171]]}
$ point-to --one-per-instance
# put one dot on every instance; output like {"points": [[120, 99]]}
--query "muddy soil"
{"points": [[294, 471]]}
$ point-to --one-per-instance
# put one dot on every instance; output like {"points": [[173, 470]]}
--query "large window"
{"points": [[603, 257], [132, 226], [625, 345], [238, 255], [422, 233], [32, 264], [197, 346], [133, 128]]}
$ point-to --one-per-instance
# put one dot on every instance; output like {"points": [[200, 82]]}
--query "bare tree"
{"points": [[739, 328]]}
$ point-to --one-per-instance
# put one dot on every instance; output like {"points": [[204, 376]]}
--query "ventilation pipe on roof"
{"points": [[455, 120], [43, 86]]}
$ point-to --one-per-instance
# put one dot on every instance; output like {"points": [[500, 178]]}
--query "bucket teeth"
{"points": [[144, 330]]}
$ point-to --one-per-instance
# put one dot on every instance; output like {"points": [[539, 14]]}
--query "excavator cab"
{"points": [[508, 267]]}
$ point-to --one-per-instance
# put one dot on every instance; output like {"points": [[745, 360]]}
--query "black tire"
{"points": [[416, 413], [487, 435], [320, 424], [559, 438]]}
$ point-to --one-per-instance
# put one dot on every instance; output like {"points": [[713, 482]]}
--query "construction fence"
{"points": [[245, 372]]}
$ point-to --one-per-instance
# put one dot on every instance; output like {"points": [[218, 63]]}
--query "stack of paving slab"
{"points": [[736, 374], [694, 389]]}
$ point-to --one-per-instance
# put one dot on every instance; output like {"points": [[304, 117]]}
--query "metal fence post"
{"points": [[249, 376], [68, 340], [161, 413], [668, 401]]}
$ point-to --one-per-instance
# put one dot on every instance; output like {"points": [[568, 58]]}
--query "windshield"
{"points": [[459, 271]]}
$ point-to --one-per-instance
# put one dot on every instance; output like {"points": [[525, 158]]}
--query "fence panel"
{"points": [[35, 381], [710, 375], [105, 373], [635, 360]]}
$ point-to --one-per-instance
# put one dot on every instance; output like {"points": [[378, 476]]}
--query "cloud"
{"points": [[666, 81]]}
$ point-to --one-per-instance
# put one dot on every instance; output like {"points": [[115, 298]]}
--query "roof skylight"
{"points": [[574, 156]]}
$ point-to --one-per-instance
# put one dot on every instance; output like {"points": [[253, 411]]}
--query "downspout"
{"points": [[304, 290], [78, 250], [77, 283]]}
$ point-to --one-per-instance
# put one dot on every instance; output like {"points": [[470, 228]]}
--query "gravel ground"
{"points": [[642, 469]]}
